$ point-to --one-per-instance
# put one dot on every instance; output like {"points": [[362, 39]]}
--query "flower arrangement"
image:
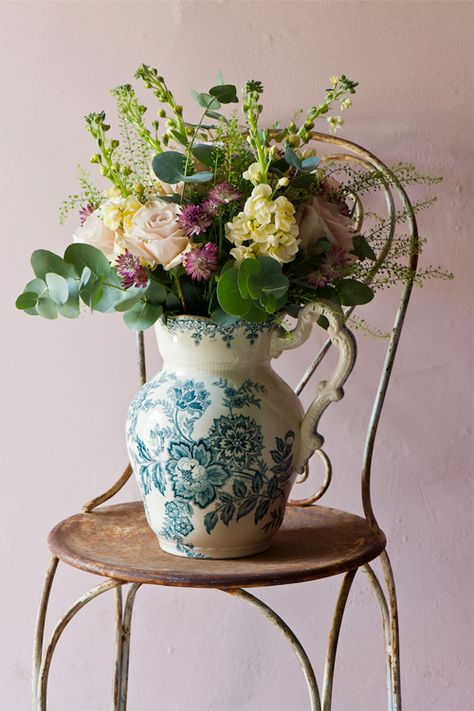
{"points": [[223, 218]]}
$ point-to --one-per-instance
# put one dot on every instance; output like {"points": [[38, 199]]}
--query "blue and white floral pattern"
{"points": [[198, 328], [223, 474]]}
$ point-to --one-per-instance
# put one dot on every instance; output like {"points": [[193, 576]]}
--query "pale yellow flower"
{"points": [[253, 174], [265, 227], [345, 104], [333, 81], [131, 206]]}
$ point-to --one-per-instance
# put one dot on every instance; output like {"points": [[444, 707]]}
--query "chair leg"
{"points": [[394, 632], [58, 630], [39, 629], [329, 665], [122, 646]]}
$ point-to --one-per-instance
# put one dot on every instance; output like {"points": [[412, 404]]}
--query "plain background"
{"points": [[66, 385]]}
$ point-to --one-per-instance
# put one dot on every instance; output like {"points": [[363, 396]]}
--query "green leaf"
{"points": [[57, 288], [142, 316], [85, 276], [362, 248], [352, 292], [301, 181], [44, 262], [46, 307], [221, 318], [27, 300], [308, 164], [206, 100], [206, 154], [292, 159], [228, 294], [71, 308], [247, 268], [202, 177], [225, 93], [155, 292], [215, 115], [179, 137], [106, 298], [169, 166], [127, 304], [85, 255]]}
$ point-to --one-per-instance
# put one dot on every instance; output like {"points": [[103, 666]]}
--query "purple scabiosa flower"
{"points": [[130, 270], [220, 194], [335, 263], [201, 262], [85, 211], [194, 220], [317, 279]]}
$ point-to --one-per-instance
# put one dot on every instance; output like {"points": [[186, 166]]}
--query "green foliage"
{"points": [[254, 289], [171, 167]]}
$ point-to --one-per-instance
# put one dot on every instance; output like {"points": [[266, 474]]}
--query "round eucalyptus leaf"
{"points": [[47, 308], [57, 288], [27, 300]]}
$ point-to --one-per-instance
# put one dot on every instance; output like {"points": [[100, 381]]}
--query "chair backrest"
{"points": [[347, 153], [351, 154]]}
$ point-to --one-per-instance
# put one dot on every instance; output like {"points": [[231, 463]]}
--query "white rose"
{"points": [[155, 234], [321, 218], [95, 233]]}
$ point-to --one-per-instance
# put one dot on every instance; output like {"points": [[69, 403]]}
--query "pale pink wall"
{"points": [[66, 385]]}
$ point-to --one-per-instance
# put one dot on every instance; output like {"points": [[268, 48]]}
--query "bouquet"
{"points": [[223, 218]]}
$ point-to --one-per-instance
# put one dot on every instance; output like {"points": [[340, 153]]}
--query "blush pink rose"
{"points": [[155, 235], [321, 218], [95, 233]]}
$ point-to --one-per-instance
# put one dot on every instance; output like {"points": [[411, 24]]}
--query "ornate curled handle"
{"points": [[327, 390]]}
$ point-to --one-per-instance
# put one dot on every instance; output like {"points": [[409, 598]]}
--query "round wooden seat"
{"points": [[116, 541]]}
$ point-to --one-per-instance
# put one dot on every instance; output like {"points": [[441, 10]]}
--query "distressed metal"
{"points": [[324, 486], [313, 542], [394, 632], [384, 611], [40, 623], [291, 639], [126, 628], [330, 663], [118, 648], [58, 630]]}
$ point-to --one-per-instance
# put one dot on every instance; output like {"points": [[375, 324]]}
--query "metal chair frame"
{"points": [[385, 593]]}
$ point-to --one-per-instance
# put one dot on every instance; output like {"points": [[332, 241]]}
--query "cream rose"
{"points": [[154, 234], [95, 233], [321, 218]]}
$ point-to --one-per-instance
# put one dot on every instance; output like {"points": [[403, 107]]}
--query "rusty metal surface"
{"points": [[313, 542]]}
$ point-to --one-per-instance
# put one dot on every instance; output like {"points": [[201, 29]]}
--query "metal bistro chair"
{"points": [[314, 542]]}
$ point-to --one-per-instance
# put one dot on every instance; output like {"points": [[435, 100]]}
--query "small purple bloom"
{"points": [[194, 220], [335, 263], [317, 279], [201, 262], [129, 268], [221, 194], [85, 211]]}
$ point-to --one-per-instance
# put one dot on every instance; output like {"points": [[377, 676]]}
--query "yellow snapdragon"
{"points": [[266, 227]]}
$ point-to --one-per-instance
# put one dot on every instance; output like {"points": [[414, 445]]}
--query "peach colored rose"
{"points": [[155, 235], [95, 233], [321, 218]]}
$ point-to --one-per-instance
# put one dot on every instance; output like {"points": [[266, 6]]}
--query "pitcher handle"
{"points": [[327, 391]]}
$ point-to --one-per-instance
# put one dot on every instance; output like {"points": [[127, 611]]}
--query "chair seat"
{"points": [[313, 542]]}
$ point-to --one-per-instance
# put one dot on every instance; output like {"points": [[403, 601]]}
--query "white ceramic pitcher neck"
{"points": [[197, 341]]}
